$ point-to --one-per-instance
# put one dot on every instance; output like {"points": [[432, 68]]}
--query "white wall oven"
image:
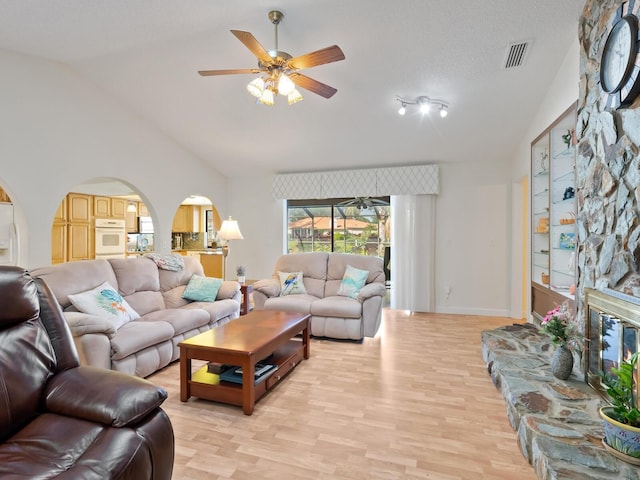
{"points": [[111, 238]]}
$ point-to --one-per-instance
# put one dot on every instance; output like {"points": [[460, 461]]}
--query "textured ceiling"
{"points": [[146, 54]]}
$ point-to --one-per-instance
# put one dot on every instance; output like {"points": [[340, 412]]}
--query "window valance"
{"points": [[373, 182]]}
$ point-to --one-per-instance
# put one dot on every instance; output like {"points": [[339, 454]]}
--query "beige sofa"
{"points": [[332, 315], [144, 345]]}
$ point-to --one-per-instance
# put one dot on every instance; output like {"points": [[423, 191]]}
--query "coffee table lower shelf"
{"points": [[208, 386]]}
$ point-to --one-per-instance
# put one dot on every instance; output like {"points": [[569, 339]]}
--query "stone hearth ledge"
{"points": [[557, 423]]}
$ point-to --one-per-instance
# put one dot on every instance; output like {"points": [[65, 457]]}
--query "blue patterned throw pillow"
{"points": [[352, 282], [290, 283], [104, 301], [202, 289]]}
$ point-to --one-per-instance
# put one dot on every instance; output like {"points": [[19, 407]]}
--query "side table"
{"points": [[246, 289]]}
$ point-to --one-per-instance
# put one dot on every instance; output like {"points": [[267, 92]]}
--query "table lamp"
{"points": [[229, 231]]}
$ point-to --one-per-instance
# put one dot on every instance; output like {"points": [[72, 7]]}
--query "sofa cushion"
{"points": [[181, 319], [352, 282], [338, 306], [138, 335], [75, 277], [105, 301], [313, 266], [135, 274], [202, 289], [299, 303], [291, 283], [217, 310]]}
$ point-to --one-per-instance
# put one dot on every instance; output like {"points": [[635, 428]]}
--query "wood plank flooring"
{"points": [[415, 402]]}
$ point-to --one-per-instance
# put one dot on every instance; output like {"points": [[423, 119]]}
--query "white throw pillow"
{"points": [[104, 301], [290, 283]]}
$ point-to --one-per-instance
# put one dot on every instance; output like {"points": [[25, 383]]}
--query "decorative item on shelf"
{"points": [[543, 157], [568, 221], [567, 241], [622, 418], [560, 324], [240, 272], [568, 193], [566, 138], [543, 225], [544, 278]]}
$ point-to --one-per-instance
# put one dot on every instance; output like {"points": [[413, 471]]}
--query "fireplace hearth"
{"points": [[613, 324]]}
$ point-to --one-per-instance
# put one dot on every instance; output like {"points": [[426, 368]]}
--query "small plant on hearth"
{"points": [[619, 385], [560, 324]]}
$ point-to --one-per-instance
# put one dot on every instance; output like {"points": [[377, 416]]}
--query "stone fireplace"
{"points": [[613, 323]]}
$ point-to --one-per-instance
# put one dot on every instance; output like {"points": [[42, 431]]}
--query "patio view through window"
{"points": [[360, 226]]}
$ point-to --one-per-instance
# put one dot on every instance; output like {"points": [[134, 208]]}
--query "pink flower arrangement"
{"points": [[561, 326]]}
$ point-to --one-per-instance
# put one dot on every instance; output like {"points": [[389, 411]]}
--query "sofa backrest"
{"points": [[138, 283], [313, 266], [172, 284], [337, 264], [69, 278], [35, 343]]}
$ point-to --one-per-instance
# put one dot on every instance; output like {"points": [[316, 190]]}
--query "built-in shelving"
{"points": [[553, 234]]}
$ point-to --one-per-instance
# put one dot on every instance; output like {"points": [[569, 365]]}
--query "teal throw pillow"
{"points": [[352, 282], [290, 283], [202, 289]]}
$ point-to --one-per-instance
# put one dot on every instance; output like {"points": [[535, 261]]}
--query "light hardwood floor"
{"points": [[415, 402]]}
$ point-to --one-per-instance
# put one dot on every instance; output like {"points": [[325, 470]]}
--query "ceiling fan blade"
{"points": [[319, 57], [252, 44], [208, 73], [312, 85]]}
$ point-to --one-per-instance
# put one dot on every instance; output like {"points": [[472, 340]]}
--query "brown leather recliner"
{"points": [[62, 420]]}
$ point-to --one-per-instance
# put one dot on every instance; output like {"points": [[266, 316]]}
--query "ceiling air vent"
{"points": [[516, 54]]}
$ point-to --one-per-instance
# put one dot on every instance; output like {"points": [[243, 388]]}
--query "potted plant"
{"points": [[622, 417], [560, 324], [240, 272]]}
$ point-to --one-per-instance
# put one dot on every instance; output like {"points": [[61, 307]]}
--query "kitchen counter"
{"points": [[212, 260]]}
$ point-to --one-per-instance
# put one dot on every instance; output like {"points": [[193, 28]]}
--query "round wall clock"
{"points": [[620, 61]]}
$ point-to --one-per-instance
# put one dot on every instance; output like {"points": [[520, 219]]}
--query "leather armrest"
{"points": [[102, 396], [375, 289], [269, 287]]}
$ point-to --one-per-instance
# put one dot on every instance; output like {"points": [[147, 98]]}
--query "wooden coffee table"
{"points": [[244, 342]]}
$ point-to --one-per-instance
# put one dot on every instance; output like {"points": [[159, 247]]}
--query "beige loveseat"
{"points": [[144, 345], [332, 315]]}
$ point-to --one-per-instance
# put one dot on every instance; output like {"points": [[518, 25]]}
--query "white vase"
{"points": [[241, 278]]}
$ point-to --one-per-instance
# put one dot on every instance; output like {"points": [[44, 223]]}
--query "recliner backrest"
{"points": [[27, 357]]}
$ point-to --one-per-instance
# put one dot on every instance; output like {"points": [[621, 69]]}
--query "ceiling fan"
{"points": [[280, 71], [363, 202]]}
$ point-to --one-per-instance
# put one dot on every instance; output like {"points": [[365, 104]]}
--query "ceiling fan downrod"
{"points": [[276, 17]]}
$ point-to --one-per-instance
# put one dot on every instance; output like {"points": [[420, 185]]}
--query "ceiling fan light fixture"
{"points": [[294, 97], [267, 97], [256, 87], [285, 85]]}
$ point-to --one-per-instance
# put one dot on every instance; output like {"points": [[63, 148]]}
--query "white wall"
{"points": [[56, 131], [562, 93]]}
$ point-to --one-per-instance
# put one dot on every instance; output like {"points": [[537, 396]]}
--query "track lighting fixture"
{"points": [[424, 104]]}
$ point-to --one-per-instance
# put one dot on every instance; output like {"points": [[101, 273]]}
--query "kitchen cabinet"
{"points": [[213, 264], [143, 211], [553, 207], [59, 234], [131, 218], [109, 207], [187, 219], [79, 207], [80, 245]]}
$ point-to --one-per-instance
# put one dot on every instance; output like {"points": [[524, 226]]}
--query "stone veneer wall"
{"points": [[607, 172]]}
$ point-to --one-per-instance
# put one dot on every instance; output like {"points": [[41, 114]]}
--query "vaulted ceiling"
{"points": [[146, 54]]}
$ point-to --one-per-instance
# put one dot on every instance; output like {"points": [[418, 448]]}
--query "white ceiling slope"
{"points": [[147, 54]]}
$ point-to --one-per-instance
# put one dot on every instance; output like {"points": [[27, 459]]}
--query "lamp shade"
{"points": [[229, 230]]}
